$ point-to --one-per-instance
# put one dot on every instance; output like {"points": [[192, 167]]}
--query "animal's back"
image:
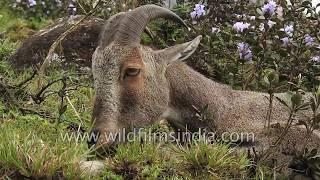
{"points": [[232, 110]]}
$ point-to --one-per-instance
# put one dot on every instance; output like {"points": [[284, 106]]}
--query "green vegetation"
{"points": [[32, 144], [30, 147], [34, 120]]}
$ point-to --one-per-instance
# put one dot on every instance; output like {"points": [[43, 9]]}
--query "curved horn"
{"points": [[136, 20], [109, 29]]}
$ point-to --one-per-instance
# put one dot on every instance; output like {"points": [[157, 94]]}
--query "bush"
{"points": [[31, 9], [243, 39]]}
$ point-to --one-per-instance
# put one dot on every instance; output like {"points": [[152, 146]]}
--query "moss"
{"points": [[18, 31], [7, 48]]}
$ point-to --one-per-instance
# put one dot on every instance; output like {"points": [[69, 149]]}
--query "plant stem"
{"points": [[270, 109], [286, 129]]}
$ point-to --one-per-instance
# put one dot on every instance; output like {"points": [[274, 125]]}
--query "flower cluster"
{"points": [[308, 40], [198, 11], [244, 51], [39, 8], [241, 26], [245, 38], [269, 8], [286, 41], [288, 30]]}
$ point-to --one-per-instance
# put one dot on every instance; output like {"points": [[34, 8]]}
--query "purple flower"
{"points": [[318, 47], [286, 41], [72, 9], [315, 59], [193, 14], [308, 40], [32, 3], [244, 51], [288, 30], [198, 11], [269, 8], [240, 26]]}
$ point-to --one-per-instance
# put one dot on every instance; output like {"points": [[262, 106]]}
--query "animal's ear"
{"points": [[180, 51]]}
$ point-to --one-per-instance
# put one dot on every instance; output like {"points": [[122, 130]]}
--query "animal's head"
{"points": [[130, 83]]}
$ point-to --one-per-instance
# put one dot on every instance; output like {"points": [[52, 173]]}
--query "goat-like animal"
{"points": [[136, 86]]}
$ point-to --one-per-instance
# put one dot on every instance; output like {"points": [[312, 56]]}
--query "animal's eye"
{"points": [[132, 72]]}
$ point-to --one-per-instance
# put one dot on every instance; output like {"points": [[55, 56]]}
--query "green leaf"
{"points": [[318, 92], [306, 4], [63, 109], [313, 104], [275, 56], [266, 81], [259, 12], [282, 101], [296, 99], [304, 106]]}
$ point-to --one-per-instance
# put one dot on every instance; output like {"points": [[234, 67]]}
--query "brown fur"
{"points": [[233, 111]]}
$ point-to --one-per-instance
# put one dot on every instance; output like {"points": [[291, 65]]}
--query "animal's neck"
{"points": [[189, 90]]}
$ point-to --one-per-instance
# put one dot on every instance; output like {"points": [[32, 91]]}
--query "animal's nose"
{"points": [[93, 138]]}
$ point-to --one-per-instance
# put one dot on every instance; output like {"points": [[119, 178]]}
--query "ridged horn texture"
{"points": [[108, 33], [135, 21]]}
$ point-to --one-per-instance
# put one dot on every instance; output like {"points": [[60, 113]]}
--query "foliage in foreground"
{"points": [[30, 148], [33, 147], [34, 126]]}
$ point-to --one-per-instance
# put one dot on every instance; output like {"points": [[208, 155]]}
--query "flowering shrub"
{"points": [[243, 39], [41, 8]]}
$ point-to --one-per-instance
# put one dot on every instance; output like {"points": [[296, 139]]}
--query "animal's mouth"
{"points": [[104, 149], [103, 144]]}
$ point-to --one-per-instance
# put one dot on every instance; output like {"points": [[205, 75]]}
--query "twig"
{"points": [[27, 80], [74, 109], [13, 101], [38, 98], [280, 138]]}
